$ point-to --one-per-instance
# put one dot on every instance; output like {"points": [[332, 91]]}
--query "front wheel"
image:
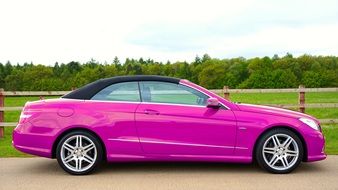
{"points": [[279, 151], [79, 152]]}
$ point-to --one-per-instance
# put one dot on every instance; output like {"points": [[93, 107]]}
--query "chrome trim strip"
{"points": [[125, 140], [171, 104], [69, 99], [242, 148], [106, 101], [153, 103]]}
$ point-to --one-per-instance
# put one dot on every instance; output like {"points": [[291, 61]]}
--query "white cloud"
{"points": [[48, 31]]}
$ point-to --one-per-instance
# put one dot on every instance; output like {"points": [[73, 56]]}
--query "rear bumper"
{"points": [[34, 144]]}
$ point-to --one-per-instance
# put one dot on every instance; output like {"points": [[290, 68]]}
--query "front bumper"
{"points": [[315, 142]]}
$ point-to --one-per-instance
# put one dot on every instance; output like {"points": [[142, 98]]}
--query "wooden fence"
{"points": [[225, 91]]}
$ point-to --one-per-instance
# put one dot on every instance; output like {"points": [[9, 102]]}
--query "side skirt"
{"points": [[177, 158]]}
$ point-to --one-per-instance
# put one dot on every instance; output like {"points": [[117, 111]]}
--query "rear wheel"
{"points": [[79, 152], [279, 151]]}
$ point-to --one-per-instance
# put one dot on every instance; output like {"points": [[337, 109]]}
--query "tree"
{"points": [[15, 81], [205, 58], [198, 60], [116, 60], [284, 79], [34, 76], [8, 68], [92, 63], [258, 79], [213, 75], [265, 72], [237, 73], [258, 64], [2, 75], [311, 79], [141, 61], [73, 67], [56, 69]]}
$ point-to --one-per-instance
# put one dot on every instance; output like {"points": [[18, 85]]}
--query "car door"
{"points": [[173, 119], [113, 110]]}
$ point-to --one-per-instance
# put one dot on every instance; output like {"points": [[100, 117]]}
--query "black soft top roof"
{"points": [[88, 91]]}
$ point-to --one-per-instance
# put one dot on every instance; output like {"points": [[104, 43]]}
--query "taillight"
{"points": [[23, 117]]}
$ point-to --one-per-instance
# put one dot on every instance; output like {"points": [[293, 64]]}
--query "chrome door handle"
{"points": [[151, 112]]}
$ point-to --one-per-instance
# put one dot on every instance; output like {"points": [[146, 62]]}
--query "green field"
{"points": [[330, 131]]}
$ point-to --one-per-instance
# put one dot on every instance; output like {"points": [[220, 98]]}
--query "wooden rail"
{"points": [[8, 124], [315, 105], [282, 90], [35, 93], [225, 91], [11, 108], [218, 91]]}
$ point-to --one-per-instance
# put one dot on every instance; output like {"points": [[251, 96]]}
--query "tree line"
{"points": [[212, 73]]}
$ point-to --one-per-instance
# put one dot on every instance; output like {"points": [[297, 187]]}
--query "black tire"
{"points": [[262, 159], [95, 141]]}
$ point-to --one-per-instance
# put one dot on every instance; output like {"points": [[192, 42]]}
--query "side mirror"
{"points": [[213, 103]]}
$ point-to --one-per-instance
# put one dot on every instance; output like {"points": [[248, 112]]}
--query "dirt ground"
{"points": [[41, 173]]}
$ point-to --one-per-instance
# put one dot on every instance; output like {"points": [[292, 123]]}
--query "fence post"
{"points": [[2, 103], [301, 98], [226, 92]]}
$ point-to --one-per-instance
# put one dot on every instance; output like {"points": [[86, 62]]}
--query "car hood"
{"points": [[273, 111]]}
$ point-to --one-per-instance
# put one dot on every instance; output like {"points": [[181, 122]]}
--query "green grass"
{"points": [[284, 98], [330, 131], [331, 137], [6, 148], [20, 101], [322, 113], [292, 98]]}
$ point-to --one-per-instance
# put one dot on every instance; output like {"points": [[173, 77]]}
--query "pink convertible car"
{"points": [[155, 118]]}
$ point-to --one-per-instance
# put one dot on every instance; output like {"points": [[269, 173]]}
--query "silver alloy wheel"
{"points": [[280, 151], [78, 153]]}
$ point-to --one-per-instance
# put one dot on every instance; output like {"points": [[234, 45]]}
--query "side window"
{"points": [[124, 91], [164, 92]]}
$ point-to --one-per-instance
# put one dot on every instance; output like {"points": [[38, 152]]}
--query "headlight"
{"points": [[310, 123]]}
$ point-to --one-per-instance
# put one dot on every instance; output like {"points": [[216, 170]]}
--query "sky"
{"points": [[45, 31]]}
